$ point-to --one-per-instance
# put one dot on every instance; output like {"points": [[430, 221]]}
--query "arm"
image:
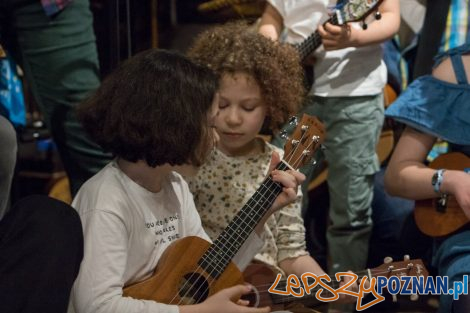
{"points": [[306, 263], [339, 37], [271, 23], [290, 180], [293, 261], [221, 301], [290, 241], [408, 177], [300, 265]]}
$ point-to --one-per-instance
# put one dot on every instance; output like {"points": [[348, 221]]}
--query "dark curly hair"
{"points": [[276, 67], [153, 107]]}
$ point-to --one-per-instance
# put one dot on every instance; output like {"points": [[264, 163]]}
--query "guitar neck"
{"points": [[229, 242], [306, 47]]}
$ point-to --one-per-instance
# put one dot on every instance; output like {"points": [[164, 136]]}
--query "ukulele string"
{"points": [[270, 184], [217, 267]]}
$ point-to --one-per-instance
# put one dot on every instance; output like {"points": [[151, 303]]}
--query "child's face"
{"points": [[241, 114]]}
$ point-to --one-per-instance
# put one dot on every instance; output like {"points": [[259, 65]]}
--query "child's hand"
{"points": [[290, 180], [458, 184], [221, 302], [336, 37], [345, 298]]}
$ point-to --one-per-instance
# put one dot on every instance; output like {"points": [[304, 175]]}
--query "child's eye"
{"points": [[249, 109], [223, 104]]}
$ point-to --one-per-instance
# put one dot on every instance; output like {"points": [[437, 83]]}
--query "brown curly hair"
{"points": [[234, 47]]}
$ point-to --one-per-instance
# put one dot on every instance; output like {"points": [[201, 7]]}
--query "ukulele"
{"points": [[442, 216], [262, 276], [192, 269], [351, 11]]}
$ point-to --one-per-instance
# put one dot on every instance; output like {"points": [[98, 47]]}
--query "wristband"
{"points": [[437, 180]]}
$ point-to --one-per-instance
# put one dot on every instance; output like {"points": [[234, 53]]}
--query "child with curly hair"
{"points": [[261, 82], [154, 113]]}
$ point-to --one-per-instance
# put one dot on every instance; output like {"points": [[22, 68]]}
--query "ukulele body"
{"points": [[178, 279], [432, 220]]}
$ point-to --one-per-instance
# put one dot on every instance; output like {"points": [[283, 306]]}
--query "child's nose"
{"points": [[233, 117]]}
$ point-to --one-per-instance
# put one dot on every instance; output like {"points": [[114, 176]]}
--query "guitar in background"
{"points": [[350, 11], [442, 216], [262, 276]]}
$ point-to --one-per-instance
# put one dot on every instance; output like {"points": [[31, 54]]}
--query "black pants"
{"points": [[41, 247]]}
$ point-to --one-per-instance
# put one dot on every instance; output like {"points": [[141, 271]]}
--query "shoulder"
{"points": [[104, 191]]}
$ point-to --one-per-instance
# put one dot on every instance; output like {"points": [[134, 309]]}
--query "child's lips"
{"points": [[234, 135]]}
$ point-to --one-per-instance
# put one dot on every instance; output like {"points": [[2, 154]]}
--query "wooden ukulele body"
{"points": [[429, 219], [179, 263]]}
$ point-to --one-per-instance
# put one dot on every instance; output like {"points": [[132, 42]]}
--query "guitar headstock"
{"points": [[356, 10], [402, 268], [304, 141], [413, 268]]}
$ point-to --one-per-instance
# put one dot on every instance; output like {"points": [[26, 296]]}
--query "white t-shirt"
{"points": [[338, 73], [126, 230]]}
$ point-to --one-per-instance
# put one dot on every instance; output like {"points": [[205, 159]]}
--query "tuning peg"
{"points": [[313, 162], [418, 270], [364, 25], [316, 139], [293, 121], [406, 257], [294, 142], [378, 16], [283, 134], [388, 260]]}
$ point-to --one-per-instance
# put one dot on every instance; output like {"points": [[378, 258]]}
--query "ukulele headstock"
{"points": [[304, 141], [407, 267], [357, 10]]}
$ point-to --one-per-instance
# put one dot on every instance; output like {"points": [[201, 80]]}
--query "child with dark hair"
{"points": [[155, 114]]}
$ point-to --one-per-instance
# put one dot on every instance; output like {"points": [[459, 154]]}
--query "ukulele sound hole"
{"points": [[253, 297], [194, 288]]}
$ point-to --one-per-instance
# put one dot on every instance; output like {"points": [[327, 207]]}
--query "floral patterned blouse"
{"points": [[224, 184]]}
